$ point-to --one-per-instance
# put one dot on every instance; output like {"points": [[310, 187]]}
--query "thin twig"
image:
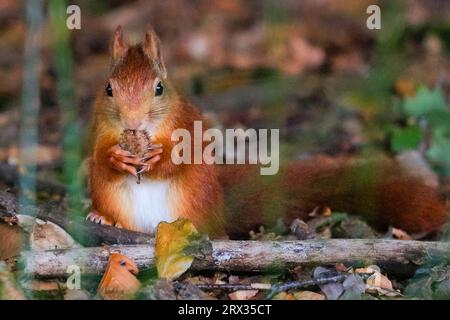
{"points": [[306, 284], [275, 288], [235, 287]]}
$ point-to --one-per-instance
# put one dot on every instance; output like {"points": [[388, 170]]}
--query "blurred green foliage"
{"points": [[429, 118]]}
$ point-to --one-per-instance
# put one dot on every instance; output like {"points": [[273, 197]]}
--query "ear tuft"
{"points": [[118, 47], [152, 47]]}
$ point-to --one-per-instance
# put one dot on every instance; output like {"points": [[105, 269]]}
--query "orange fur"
{"points": [[236, 198]]}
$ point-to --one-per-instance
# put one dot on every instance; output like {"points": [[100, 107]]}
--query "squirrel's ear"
{"points": [[152, 47], [118, 47]]}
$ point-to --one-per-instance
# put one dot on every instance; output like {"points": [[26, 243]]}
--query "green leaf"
{"points": [[438, 118], [405, 138], [424, 102], [440, 146]]}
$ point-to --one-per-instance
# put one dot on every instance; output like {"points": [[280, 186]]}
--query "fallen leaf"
{"points": [[119, 281], [11, 241], [354, 287], [340, 267], [46, 235], [321, 211], [283, 296], [177, 244], [383, 292], [9, 289], [40, 285], [331, 290], [162, 289], [242, 294], [379, 280], [353, 228], [77, 295], [400, 234], [369, 269], [188, 291], [308, 295], [302, 230]]}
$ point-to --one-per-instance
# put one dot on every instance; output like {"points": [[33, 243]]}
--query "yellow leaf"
{"points": [[176, 246]]}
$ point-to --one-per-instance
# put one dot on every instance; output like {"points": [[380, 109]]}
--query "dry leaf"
{"points": [[377, 282], [119, 281], [9, 290], [340, 267], [46, 235], [283, 296], [308, 295], [400, 234], [40, 285], [77, 295], [11, 241], [243, 294], [380, 281], [383, 292], [369, 269], [177, 244]]}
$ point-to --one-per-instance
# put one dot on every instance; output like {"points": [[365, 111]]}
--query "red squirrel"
{"points": [[224, 199]]}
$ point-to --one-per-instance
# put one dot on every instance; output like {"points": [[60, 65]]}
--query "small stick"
{"points": [[305, 284], [276, 288]]}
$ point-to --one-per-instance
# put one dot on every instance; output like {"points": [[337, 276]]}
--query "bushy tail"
{"points": [[379, 190]]}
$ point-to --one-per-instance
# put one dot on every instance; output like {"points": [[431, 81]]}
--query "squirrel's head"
{"points": [[136, 95]]}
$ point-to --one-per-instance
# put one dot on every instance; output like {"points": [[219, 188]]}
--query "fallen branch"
{"points": [[252, 256], [85, 232]]}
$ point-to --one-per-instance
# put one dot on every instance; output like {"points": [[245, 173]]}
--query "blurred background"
{"points": [[311, 68]]}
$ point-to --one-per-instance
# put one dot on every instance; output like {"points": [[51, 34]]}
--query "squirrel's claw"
{"points": [[150, 159], [95, 217]]}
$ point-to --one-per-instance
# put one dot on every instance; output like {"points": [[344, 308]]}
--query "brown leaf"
{"points": [[9, 289], [400, 234], [308, 295], [283, 296], [243, 294], [119, 281], [46, 235], [380, 281], [340, 267]]}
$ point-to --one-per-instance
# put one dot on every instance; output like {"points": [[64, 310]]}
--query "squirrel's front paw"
{"points": [[122, 160], [150, 159]]}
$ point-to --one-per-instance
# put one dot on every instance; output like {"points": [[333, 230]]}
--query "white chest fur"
{"points": [[149, 203]]}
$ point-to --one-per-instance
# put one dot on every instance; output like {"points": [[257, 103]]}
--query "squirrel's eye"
{"points": [[159, 89], [109, 90]]}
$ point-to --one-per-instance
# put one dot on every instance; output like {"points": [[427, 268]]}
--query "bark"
{"points": [[257, 256]]}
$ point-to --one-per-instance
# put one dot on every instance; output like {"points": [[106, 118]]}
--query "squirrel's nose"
{"points": [[133, 124]]}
